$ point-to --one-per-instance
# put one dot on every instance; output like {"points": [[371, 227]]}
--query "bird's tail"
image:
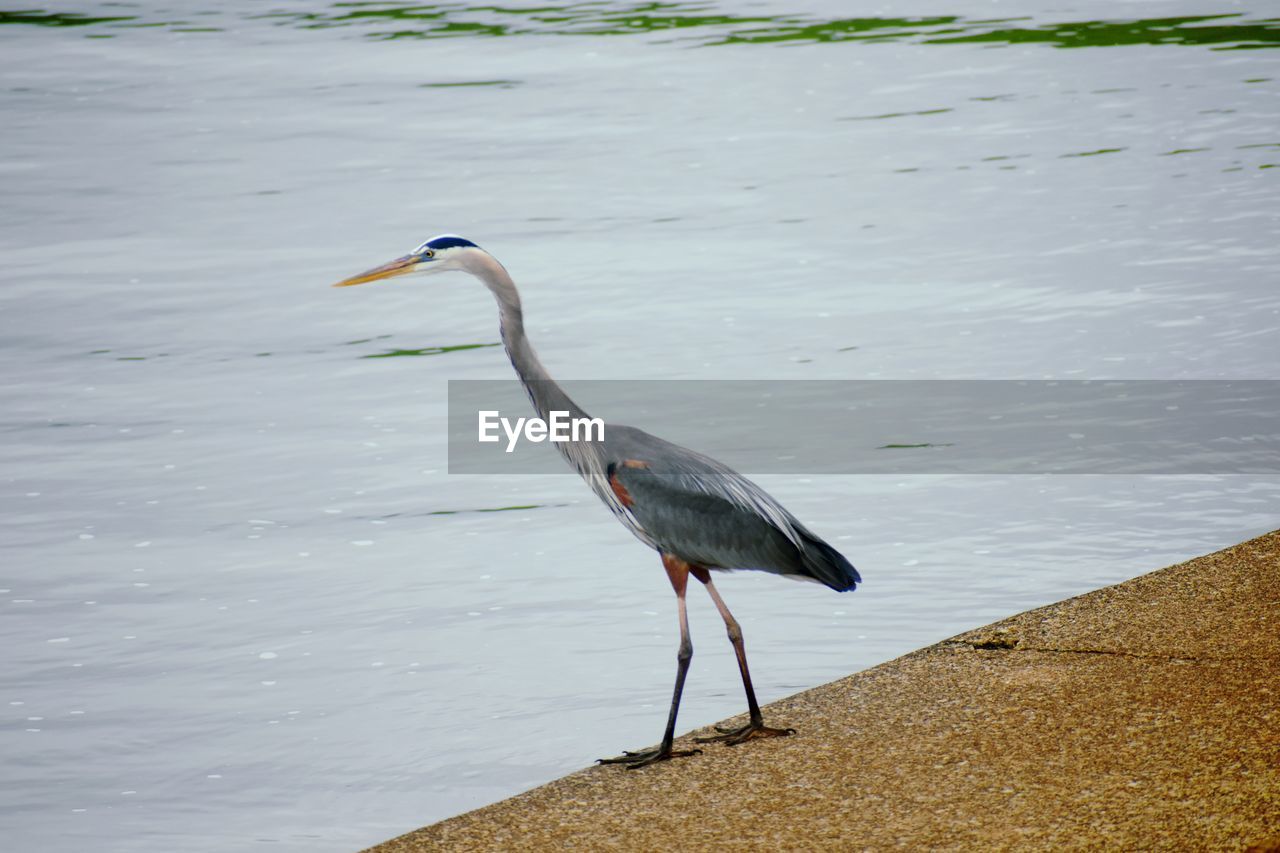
{"points": [[828, 565]]}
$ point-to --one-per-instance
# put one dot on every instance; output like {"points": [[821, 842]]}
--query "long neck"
{"points": [[545, 392], [586, 457]]}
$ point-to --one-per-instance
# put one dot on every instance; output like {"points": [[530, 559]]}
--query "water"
{"points": [[243, 605]]}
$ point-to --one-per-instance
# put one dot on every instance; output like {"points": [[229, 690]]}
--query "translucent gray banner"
{"points": [[901, 426]]}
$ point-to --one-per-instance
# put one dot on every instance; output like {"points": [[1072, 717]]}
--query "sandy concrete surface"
{"points": [[1139, 716]]}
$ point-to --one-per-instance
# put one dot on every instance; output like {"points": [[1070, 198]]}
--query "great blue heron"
{"points": [[697, 513]]}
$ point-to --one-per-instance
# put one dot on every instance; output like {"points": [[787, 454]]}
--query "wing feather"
{"points": [[702, 510]]}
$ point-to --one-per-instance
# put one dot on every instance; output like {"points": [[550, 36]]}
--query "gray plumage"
{"points": [[707, 514], [698, 513], [685, 504]]}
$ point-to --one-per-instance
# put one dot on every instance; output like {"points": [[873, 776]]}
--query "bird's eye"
{"points": [[429, 253]]}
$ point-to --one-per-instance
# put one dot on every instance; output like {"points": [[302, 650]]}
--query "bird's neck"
{"points": [[545, 392]]}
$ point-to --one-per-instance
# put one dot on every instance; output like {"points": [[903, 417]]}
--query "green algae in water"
{"points": [[913, 446], [1094, 153], [899, 115], [38, 18], [705, 26], [398, 353], [467, 84], [490, 509]]}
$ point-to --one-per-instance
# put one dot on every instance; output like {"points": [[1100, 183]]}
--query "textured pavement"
{"points": [[1139, 716]]}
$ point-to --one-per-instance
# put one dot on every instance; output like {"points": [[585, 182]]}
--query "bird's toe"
{"points": [[751, 731], [645, 757]]}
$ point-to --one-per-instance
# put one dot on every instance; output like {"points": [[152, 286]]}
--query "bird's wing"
{"points": [[700, 509]]}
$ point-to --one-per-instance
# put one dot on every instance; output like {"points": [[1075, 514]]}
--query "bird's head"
{"points": [[439, 254]]}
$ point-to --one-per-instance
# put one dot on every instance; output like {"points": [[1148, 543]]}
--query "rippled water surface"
{"points": [[243, 605]]}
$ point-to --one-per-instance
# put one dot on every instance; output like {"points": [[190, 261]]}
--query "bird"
{"points": [[697, 513]]}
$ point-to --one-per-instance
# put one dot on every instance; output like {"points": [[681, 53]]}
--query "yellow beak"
{"points": [[399, 266]]}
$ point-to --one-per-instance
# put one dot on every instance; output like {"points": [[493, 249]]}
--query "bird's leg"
{"points": [[678, 573], [756, 727]]}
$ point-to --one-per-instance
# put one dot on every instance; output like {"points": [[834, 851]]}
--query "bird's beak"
{"points": [[399, 266]]}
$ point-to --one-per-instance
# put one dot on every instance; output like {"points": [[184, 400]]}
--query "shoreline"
{"points": [[1145, 714]]}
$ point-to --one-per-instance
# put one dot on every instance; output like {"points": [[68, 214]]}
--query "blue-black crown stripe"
{"points": [[448, 243]]}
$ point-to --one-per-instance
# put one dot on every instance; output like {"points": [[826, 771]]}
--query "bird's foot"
{"points": [[645, 757], [751, 731]]}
